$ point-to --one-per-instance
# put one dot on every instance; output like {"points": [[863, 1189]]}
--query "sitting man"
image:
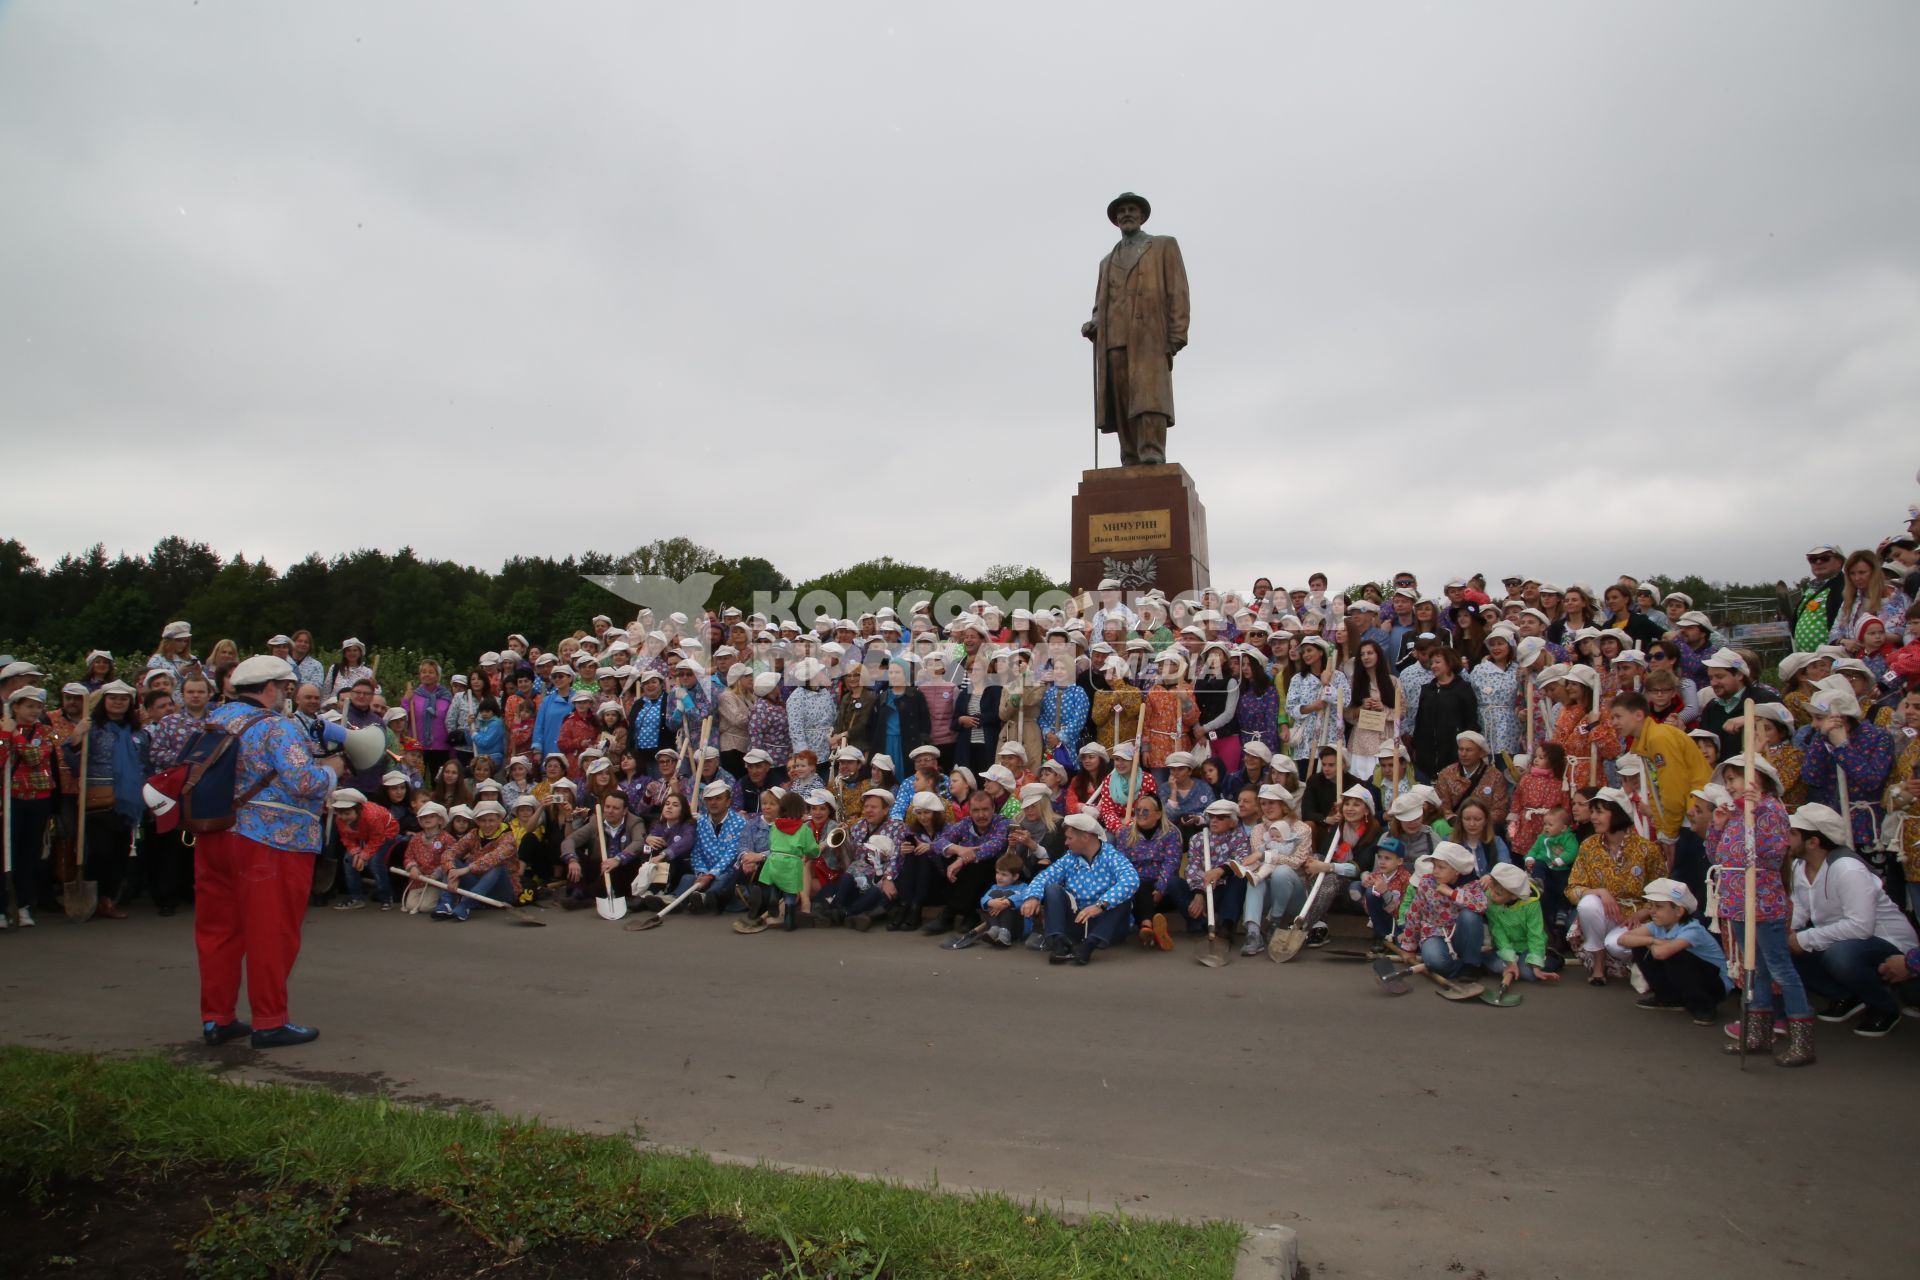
{"points": [[973, 843], [625, 836], [1844, 924], [1084, 893], [718, 834]]}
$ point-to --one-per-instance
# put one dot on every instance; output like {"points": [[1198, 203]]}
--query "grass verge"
{"points": [[519, 1184]]}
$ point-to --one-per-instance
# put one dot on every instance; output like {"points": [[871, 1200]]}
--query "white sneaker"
{"points": [[1637, 982], [26, 918], [3, 922]]}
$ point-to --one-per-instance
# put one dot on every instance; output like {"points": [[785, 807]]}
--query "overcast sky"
{"points": [[1564, 289]]}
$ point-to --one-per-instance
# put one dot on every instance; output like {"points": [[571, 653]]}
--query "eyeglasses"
{"points": [[1660, 657]]}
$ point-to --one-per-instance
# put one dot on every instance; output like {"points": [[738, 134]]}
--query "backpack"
{"points": [[211, 758]]}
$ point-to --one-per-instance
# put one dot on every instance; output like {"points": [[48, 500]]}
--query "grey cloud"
{"points": [[1576, 289]]}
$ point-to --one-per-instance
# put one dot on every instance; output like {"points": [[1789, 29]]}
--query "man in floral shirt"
{"points": [[253, 879]]}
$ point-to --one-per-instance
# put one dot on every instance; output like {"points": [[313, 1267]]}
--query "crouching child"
{"points": [[1679, 957], [1382, 888], [1518, 926], [1008, 872]]}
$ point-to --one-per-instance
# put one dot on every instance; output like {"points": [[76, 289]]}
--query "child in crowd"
{"points": [[1679, 957], [1550, 861], [1008, 873], [789, 845], [1410, 817], [1382, 888], [489, 733], [427, 855], [1519, 929], [1444, 922], [1540, 788], [519, 781]]}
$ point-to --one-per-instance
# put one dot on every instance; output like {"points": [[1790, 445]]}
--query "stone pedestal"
{"points": [[1142, 525]]}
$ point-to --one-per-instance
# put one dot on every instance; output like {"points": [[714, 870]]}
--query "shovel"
{"points": [[1286, 943], [655, 920], [1217, 948], [609, 907], [79, 897], [1391, 977], [514, 913], [960, 942], [1504, 998]]}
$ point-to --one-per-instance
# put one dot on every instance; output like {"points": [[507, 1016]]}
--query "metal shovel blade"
{"points": [[1286, 944], [961, 941], [612, 908], [326, 873], [79, 899], [1391, 977], [1505, 997], [645, 923], [1457, 992], [1216, 953]]}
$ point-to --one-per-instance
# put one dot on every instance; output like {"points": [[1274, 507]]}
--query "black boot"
{"points": [[942, 923]]}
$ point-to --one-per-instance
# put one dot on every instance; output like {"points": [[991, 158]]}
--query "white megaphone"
{"points": [[364, 747]]}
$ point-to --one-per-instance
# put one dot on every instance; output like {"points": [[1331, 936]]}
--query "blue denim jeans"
{"points": [[721, 888], [1280, 896], [493, 884], [1774, 963], [1378, 916], [1850, 970], [376, 867], [1469, 935], [1104, 929]]}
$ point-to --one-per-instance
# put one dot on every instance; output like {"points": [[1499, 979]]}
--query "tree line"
{"points": [[392, 599]]}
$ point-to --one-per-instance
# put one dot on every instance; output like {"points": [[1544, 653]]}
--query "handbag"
{"points": [[99, 796]]}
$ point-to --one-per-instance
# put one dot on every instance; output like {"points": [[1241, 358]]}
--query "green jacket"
{"points": [[1519, 930]]}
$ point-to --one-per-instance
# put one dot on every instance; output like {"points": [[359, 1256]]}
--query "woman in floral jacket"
{"points": [[1606, 885]]}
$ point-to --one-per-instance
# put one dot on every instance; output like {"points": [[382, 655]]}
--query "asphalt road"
{"points": [[1573, 1136]]}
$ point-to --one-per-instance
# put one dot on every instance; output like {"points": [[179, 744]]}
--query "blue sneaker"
{"points": [[216, 1034], [281, 1037]]}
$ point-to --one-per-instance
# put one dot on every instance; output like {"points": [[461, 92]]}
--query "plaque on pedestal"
{"points": [[1141, 525]]}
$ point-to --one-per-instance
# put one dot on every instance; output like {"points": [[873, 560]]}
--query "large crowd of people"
{"points": [[1524, 781]]}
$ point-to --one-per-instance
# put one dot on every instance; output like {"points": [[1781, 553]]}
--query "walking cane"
{"points": [[1747, 940]]}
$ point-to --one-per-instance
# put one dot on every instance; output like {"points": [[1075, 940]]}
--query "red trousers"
{"points": [[248, 903]]}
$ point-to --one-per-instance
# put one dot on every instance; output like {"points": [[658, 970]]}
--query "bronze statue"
{"points": [[1139, 324]]}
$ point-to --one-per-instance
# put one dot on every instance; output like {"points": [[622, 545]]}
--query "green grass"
{"points": [[520, 1183]]}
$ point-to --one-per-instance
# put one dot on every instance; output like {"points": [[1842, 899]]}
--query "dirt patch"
{"points": [[195, 1222]]}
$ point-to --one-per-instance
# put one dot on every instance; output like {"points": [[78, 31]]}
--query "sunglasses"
{"points": [[1660, 657]]}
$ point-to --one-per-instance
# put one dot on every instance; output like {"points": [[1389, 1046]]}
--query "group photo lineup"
{"points": [[856, 643]]}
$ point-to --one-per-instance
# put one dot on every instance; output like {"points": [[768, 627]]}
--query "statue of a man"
{"points": [[1139, 324]]}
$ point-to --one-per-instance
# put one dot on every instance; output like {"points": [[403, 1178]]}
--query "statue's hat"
{"points": [[1146, 210]]}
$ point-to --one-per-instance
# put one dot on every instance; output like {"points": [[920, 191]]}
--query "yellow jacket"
{"points": [[1677, 769]]}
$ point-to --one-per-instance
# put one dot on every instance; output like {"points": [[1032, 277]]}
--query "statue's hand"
{"points": [[1087, 330]]}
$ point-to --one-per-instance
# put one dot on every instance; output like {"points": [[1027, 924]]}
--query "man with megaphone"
{"points": [[252, 879]]}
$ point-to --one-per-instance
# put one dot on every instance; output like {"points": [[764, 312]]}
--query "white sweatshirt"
{"points": [[1845, 900]]}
